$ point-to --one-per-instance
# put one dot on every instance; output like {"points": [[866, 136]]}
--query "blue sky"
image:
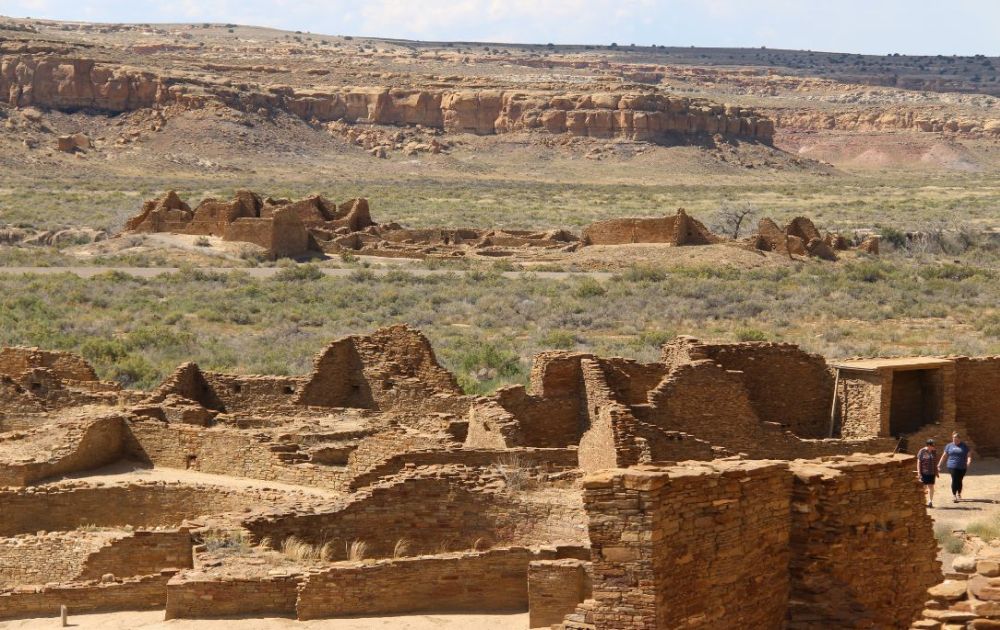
{"points": [[861, 26]]}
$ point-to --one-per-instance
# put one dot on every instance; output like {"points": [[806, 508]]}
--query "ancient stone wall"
{"points": [[785, 384], [494, 580], [81, 556], [655, 567], [224, 452], [140, 593], [390, 368], [15, 361], [446, 507], [977, 401], [79, 445], [679, 229], [137, 504], [197, 596], [862, 545], [810, 544], [140, 553], [538, 461], [555, 587]]}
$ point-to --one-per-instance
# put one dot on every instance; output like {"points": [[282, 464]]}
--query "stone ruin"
{"points": [[801, 238], [314, 225], [728, 485]]}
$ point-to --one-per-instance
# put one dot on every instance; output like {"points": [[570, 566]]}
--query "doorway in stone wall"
{"points": [[916, 400]]}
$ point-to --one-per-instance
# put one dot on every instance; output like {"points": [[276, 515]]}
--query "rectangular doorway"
{"points": [[916, 400]]}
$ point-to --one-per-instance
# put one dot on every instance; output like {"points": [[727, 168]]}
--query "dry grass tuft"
{"points": [[357, 550]]}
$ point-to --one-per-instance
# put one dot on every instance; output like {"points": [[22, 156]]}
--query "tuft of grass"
{"points": [[515, 473], [401, 549], [357, 550], [948, 539], [988, 529]]}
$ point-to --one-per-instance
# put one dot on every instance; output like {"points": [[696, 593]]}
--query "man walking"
{"points": [[927, 471]]}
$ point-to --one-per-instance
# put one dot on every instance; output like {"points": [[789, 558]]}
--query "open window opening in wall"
{"points": [[190, 461]]}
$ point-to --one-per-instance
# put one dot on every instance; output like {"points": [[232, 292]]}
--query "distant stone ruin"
{"points": [[313, 225], [801, 238], [706, 489]]}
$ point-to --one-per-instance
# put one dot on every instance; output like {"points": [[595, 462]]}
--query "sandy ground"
{"points": [[129, 471], [153, 620], [981, 502]]}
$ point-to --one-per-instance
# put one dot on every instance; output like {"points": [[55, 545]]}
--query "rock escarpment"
{"points": [[67, 83]]}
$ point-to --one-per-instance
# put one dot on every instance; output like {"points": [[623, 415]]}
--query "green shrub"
{"points": [[299, 273]]}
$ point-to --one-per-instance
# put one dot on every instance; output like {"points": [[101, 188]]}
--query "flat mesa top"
{"points": [[898, 363]]}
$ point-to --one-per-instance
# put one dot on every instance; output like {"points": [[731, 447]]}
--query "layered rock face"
{"points": [[69, 83]]}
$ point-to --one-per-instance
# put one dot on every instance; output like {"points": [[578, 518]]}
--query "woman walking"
{"points": [[927, 471], [959, 458]]}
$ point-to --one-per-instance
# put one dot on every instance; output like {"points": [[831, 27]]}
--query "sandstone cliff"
{"points": [[66, 83]]}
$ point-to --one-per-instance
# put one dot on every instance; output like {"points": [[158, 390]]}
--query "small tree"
{"points": [[732, 218]]}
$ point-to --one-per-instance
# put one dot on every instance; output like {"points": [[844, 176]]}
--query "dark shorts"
{"points": [[927, 480]]}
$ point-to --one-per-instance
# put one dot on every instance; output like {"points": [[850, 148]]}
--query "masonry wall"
{"points": [[426, 512], [222, 451], [555, 588], [140, 553], [14, 361], [648, 531], [785, 384], [863, 551], [197, 596], [85, 444], [631, 230], [494, 580], [53, 557], [141, 593], [977, 401], [863, 402], [138, 504]]}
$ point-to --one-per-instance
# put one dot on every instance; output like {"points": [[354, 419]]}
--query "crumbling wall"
{"points": [[449, 507], [863, 551], [494, 580], [15, 361], [82, 445], [785, 384], [140, 553], [977, 401], [384, 514], [394, 367], [55, 508], [225, 452], [655, 564], [45, 558]]}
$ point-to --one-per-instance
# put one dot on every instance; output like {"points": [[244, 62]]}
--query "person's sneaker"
{"points": [[929, 504], [957, 498]]}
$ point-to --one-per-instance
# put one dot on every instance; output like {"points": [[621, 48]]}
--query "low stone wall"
{"points": [[198, 596], [142, 593], [141, 553], [224, 452], [535, 460], [58, 508], [494, 580], [82, 556], [555, 587], [84, 445]]}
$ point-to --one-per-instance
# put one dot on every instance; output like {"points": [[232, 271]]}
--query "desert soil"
{"points": [[153, 620]]}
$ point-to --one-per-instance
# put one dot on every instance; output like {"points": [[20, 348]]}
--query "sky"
{"points": [[962, 27]]}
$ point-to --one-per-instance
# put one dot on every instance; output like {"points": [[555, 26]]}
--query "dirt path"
{"points": [[153, 620]]}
